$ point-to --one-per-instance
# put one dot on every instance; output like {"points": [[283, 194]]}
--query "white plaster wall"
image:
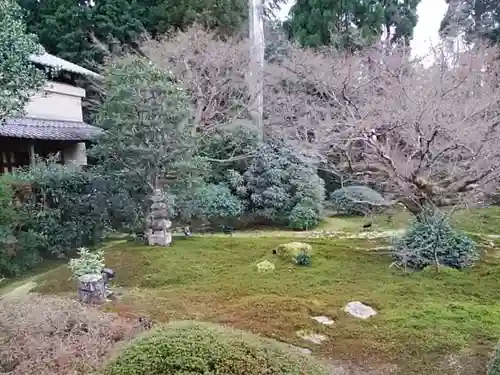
{"points": [[57, 101], [75, 154]]}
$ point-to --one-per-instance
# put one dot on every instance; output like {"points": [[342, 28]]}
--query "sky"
{"points": [[426, 33]]}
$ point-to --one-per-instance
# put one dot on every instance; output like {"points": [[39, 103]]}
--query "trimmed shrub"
{"points": [[282, 186], [303, 217], [494, 365], [183, 348], [212, 203], [303, 259], [356, 200], [430, 238]]}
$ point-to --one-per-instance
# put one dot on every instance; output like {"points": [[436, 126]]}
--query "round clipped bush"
{"points": [[431, 238], [303, 217], [355, 200], [183, 348]]}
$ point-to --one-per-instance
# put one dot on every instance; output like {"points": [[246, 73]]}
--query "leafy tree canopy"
{"points": [[350, 24], [146, 117], [18, 77]]}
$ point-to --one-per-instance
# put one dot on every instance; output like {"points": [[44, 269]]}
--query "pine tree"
{"points": [[351, 24]]}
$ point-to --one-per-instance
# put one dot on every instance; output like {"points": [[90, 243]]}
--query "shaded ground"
{"points": [[428, 323]]}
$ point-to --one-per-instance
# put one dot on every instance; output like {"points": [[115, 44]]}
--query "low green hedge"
{"points": [[192, 348]]}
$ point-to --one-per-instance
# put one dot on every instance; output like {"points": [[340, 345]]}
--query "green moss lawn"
{"points": [[428, 323]]}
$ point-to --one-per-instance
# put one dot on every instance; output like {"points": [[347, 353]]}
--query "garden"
{"points": [[355, 233]]}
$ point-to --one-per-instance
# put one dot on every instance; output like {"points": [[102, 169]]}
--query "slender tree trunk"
{"points": [[256, 66]]}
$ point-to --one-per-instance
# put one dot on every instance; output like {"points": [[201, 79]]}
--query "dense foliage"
{"points": [[281, 186], [351, 24], [86, 32], [19, 246], [18, 77], [49, 211], [431, 240], [213, 203], [355, 200], [88, 262], [146, 117], [201, 348], [70, 29]]}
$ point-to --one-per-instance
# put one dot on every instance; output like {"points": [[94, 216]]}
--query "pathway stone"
{"points": [[359, 310], [315, 338], [323, 320], [302, 350]]}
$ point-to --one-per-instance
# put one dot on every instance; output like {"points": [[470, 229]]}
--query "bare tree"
{"points": [[213, 71], [423, 134]]}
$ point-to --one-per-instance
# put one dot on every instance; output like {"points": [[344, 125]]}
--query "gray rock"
{"points": [[359, 310]]}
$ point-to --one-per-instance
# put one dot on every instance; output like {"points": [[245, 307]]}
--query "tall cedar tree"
{"points": [[351, 24], [80, 32]]}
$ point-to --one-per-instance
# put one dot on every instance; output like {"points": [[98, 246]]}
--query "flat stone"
{"points": [[359, 310], [323, 320], [303, 350], [315, 338]]}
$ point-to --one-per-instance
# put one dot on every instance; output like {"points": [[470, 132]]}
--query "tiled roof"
{"points": [[32, 128], [47, 59]]}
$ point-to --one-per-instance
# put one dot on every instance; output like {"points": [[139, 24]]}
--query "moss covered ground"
{"points": [[428, 323]]}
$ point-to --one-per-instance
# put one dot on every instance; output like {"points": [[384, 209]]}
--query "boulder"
{"points": [[292, 249], [359, 310]]}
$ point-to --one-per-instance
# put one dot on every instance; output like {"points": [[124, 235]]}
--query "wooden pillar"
{"points": [[32, 153]]}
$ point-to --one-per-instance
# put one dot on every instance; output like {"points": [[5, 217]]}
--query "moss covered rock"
{"points": [[292, 249], [192, 348]]}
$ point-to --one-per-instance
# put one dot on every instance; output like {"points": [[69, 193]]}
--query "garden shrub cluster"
{"points": [[46, 335], [201, 348], [430, 239], [64, 209]]}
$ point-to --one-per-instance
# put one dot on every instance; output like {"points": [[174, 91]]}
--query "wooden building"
{"points": [[53, 120]]}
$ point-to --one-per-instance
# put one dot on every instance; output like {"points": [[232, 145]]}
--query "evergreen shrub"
{"points": [[182, 348], [430, 238]]}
